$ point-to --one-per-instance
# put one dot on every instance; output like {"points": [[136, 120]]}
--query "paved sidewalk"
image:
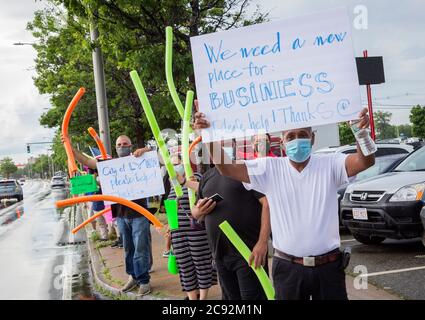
{"points": [[109, 273]]}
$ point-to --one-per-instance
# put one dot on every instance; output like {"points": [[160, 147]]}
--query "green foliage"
{"points": [[132, 36], [7, 167], [404, 129], [382, 125], [42, 167], [417, 118], [345, 134]]}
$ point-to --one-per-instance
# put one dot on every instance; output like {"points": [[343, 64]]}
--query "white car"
{"points": [[58, 182], [384, 149], [412, 140]]}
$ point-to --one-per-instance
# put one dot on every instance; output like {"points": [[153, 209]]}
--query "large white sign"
{"points": [[275, 76], [130, 177]]}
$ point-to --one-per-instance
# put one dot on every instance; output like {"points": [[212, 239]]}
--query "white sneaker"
{"points": [[130, 285], [103, 233], [144, 289]]}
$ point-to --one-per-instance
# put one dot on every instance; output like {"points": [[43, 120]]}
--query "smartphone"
{"points": [[216, 197]]}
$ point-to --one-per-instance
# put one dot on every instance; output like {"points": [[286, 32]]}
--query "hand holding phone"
{"points": [[216, 197]]}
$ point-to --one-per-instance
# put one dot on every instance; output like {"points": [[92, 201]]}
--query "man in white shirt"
{"points": [[302, 193]]}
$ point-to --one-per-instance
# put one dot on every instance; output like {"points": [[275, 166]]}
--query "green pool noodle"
{"points": [[245, 252], [185, 144], [173, 267], [156, 132], [169, 70], [171, 210]]}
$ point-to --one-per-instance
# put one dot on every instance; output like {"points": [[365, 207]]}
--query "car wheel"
{"points": [[368, 239], [423, 238]]}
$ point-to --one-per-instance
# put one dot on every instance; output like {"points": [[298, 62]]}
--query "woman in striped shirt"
{"points": [[190, 244]]}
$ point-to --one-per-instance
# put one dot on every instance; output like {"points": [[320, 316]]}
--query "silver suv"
{"points": [[384, 149], [388, 205], [11, 189]]}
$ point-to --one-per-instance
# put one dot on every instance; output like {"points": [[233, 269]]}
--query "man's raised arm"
{"points": [[81, 158], [224, 164], [357, 162]]}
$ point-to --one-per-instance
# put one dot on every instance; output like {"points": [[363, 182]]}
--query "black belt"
{"points": [[312, 261]]}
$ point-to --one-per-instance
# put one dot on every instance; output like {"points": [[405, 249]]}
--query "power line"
{"points": [[407, 94]]}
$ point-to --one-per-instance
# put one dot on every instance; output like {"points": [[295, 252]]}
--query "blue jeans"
{"points": [[136, 239]]}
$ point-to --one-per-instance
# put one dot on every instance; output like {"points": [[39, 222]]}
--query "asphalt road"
{"points": [[395, 265], [37, 260]]}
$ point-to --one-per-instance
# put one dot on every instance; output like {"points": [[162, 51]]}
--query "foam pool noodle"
{"points": [[99, 143], [245, 252], [72, 167], [92, 218], [171, 211], [169, 70], [173, 267], [185, 144], [103, 197], [156, 132]]}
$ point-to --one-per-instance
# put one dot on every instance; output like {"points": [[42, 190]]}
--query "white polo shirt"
{"points": [[303, 205]]}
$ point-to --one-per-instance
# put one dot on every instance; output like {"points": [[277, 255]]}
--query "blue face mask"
{"points": [[298, 150]]}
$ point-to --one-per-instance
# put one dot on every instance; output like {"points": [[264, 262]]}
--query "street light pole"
{"points": [[99, 81], [23, 44]]}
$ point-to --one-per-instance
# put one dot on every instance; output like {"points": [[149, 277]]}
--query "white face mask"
{"points": [[179, 168]]}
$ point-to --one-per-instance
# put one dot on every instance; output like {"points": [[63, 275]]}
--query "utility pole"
{"points": [[99, 81]]}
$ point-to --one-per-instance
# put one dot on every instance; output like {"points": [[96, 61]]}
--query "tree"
{"points": [[132, 36], [404, 130], [382, 125], [417, 118], [41, 165], [7, 167], [345, 134]]}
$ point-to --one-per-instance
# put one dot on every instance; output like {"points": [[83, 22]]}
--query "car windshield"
{"points": [[380, 166], [5, 185], [414, 162]]}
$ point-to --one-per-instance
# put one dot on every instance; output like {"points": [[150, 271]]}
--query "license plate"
{"points": [[360, 213]]}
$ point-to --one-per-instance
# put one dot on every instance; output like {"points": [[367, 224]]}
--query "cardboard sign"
{"points": [[83, 184], [276, 76], [131, 178]]}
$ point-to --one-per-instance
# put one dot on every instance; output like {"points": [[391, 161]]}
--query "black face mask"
{"points": [[123, 151]]}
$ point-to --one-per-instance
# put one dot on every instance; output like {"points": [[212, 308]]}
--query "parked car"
{"points": [[58, 182], [423, 224], [382, 165], [388, 205], [416, 144], [413, 139], [22, 181], [11, 189], [384, 149]]}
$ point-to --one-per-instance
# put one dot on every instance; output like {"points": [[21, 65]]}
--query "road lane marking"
{"points": [[390, 272]]}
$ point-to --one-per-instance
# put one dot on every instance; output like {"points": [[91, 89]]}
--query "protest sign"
{"points": [[130, 177], [275, 76]]}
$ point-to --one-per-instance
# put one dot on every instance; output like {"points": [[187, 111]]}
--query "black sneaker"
{"points": [[116, 244]]}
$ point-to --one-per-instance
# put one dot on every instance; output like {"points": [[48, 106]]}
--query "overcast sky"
{"points": [[396, 31]]}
